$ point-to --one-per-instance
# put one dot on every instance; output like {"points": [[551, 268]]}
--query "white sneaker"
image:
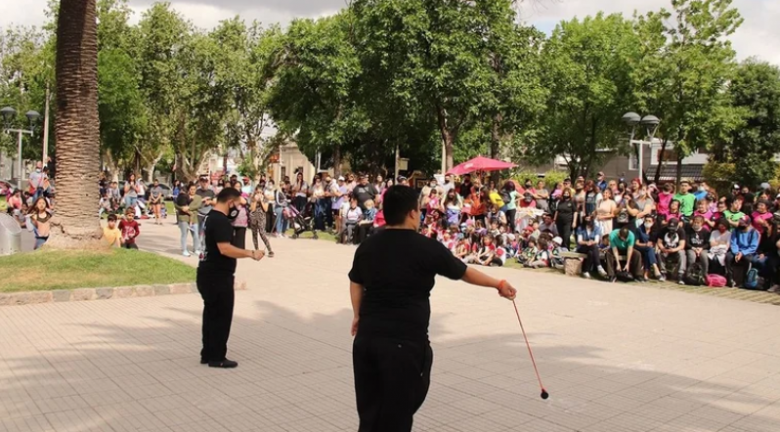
{"points": [[774, 289], [602, 272], [197, 253], [187, 254], [586, 275]]}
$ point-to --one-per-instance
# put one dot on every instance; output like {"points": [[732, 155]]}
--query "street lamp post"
{"points": [[8, 114], [650, 122]]}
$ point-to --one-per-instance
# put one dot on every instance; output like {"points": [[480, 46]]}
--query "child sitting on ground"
{"points": [[542, 257]]}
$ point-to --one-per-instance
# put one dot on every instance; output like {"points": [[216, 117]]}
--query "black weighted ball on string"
{"points": [[545, 395]]}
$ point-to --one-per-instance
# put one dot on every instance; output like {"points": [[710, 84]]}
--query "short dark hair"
{"points": [[623, 233], [398, 202], [228, 194], [112, 218]]}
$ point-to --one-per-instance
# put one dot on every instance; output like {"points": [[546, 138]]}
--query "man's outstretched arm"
{"points": [[476, 277]]}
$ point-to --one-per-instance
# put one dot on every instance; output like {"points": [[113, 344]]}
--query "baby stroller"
{"points": [[301, 222]]}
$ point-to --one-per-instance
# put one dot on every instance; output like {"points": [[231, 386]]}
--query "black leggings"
{"points": [[510, 219]]}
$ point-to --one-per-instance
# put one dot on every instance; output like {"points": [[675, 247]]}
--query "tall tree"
{"points": [[432, 55], [588, 65], [77, 126], [687, 64], [755, 92], [315, 96]]}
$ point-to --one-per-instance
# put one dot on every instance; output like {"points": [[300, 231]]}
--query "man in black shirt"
{"points": [[390, 282], [215, 279]]}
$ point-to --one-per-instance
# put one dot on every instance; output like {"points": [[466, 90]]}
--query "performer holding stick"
{"points": [[390, 282], [215, 278]]}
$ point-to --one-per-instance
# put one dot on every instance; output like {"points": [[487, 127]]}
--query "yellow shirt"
{"points": [[112, 236]]}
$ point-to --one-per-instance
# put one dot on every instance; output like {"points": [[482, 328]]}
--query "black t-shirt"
{"points": [[697, 239], [397, 269], [566, 210], [671, 238], [465, 190], [218, 230], [364, 193]]}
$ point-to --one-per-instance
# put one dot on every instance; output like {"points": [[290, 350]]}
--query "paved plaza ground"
{"points": [[614, 358]]}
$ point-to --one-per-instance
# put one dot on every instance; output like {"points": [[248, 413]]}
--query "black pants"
{"points": [[736, 271], [392, 378], [239, 237], [270, 220], [593, 260], [363, 231], [564, 230], [130, 246], [218, 298], [635, 266]]}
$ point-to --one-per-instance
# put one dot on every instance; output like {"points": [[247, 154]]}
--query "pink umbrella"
{"points": [[481, 163]]}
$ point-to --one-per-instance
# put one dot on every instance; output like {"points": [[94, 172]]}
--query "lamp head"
{"points": [[8, 114], [32, 116], [631, 118], [651, 122]]}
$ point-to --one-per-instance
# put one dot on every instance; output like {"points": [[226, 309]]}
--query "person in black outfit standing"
{"points": [[390, 282], [565, 214], [215, 279]]}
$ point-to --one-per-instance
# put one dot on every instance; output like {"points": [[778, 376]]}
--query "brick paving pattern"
{"points": [[614, 359]]}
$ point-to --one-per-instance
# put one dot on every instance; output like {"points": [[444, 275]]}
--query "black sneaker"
{"points": [[204, 361], [224, 364]]}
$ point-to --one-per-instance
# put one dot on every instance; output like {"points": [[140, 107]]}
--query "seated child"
{"points": [[462, 249], [526, 256], [542, 258]]}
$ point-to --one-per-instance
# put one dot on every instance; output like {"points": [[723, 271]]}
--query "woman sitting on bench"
{"points": [[588, 237]]}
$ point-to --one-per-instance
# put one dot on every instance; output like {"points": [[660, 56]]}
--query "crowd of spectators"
{"points": [[628, 231]]}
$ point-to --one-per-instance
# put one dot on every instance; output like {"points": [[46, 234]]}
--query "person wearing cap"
{"points": [[602, 181], [402, 181], [392, 275], [744, 244]]}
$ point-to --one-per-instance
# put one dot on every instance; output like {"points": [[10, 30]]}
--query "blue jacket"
{"points": [[744, 242]]}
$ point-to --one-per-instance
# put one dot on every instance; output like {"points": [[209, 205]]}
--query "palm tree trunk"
{"points": [[77, 126]]}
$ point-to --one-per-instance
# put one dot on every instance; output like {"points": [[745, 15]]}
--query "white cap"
{"points": [[341, 178], [558, 241]]}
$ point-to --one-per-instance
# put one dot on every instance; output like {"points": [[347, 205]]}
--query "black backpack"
{"points": [[695, 275]]}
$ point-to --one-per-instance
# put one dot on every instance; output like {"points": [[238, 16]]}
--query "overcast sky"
{"points": [[759, 35]]}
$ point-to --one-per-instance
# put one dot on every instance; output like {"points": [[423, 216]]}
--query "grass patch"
{"points": [[50, 270]]}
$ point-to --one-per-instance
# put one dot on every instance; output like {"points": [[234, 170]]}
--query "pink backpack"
{"points": [[716, 281]]}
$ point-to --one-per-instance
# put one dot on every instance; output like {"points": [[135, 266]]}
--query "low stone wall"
{"points": [[88, 294]]}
